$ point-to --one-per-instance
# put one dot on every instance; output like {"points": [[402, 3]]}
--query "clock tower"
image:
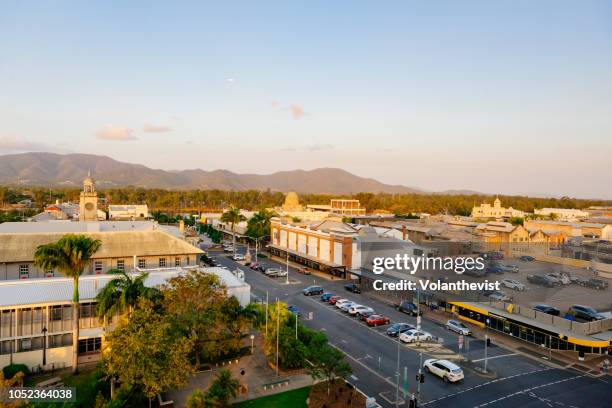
{"points": [[88, 202]]}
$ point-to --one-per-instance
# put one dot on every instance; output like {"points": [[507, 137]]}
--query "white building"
{"points": [[563, 214], [128, 212]]}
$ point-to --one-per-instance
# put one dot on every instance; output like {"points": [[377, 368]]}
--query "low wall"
{"points": [[57, 356]]}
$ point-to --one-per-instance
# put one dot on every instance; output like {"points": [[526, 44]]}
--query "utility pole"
{"points": [[296, 324], [486, 345], [287, 266], [418, 317], [419, 381], [277, 331], [397, 373], [266, 312]]}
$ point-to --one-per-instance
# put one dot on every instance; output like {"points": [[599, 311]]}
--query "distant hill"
{"points": [[50, 169]]}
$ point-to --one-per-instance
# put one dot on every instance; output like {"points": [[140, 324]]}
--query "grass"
{"points": [[293, 399], [85, 383]]}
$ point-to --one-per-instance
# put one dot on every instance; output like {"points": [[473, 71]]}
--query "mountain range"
{"points": [[69, 170]]}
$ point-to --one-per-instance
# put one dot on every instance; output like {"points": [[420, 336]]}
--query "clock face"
{"points": [[89, 206]]}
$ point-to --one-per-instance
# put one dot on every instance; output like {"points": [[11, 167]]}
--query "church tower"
{"points": [[88, 202]]}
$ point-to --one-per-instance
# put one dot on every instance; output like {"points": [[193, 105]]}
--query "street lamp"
{"points": [[252, 346], [44, 333]]}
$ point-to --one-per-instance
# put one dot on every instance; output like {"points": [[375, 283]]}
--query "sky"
{"points": [[509, 97]]}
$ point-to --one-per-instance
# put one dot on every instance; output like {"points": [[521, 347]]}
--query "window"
{"points": [[187, 261], [177, 261], [162, 262], [121, 265], [142, 263], [97, 267], [90, 345], [24, 271]]}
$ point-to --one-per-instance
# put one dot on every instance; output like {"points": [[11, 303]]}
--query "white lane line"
{"points": [[364, 366], [500, 356]]}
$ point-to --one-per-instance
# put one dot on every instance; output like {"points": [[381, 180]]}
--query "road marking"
{"points": [[344, 341], [364, 365], [500, 356], [354, 378]]}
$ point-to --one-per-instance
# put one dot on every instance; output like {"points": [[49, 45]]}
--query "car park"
{"points": [[527, 258], [408, 308], [351, 287], [541, 280], [585, 312], [448, 371], [314, 290], [414, 335], [356, 309], [326, 296], [397, 328], [458, 327], [377, 320], [547, 309], [513, 284]]}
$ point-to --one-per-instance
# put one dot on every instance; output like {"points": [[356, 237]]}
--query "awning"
{"points": [[305, 256]]}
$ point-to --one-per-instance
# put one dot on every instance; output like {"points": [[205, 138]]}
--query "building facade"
{"points": [[485, 210], [562, 214]]}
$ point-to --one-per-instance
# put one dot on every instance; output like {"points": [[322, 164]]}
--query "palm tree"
{"points": [[233, 216], [70, 255], [224, 388], [122, 293]]}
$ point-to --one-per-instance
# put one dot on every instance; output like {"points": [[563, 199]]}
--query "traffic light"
{"points": [[420, 378]]}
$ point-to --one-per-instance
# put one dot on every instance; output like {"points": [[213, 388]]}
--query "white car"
{"points": [[340, 302], [281, 273], [228, 249], [513, 284], [346, 306], [411, 336], [238, 257], [449, 372], [458, 327], [357, 309], [272, 271]]}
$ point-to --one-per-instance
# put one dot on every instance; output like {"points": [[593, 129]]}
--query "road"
{"points": [[519, 382]]}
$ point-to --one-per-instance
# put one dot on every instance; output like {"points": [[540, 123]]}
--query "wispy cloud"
{"points": [[149, 128], [11, 144], [115, 133]]}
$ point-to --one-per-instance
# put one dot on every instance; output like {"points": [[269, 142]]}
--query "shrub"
{"points": [[10, 370]]}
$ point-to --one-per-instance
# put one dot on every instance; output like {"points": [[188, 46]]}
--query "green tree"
{"points": [[258, 225], [122, 294], [223, 389], [326, 362], [144, 352], [69, 255], [199, 399], [233, 217], [516, 221]]}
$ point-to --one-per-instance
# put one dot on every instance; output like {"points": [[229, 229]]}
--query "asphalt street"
{"points": [[519, 381]]}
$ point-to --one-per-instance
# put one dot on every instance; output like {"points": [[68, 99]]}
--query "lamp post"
{"points": [[44, 333], [252, 345]]}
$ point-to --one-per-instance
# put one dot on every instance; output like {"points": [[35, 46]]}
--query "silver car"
{"points": [[513, 284], [458, 327]]}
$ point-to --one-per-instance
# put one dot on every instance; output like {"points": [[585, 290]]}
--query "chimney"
{"points": [[182, 226], [404, 232]]}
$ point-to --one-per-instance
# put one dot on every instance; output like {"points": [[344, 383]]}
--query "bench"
{"points": [[53, 382], [273, 384]]}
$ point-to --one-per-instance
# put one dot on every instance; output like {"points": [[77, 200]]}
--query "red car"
{"points": [[366, 315], [304, 271], [377, 320], [333, 299]]}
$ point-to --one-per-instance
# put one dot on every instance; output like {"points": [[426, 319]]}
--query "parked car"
{"points": [[326, 296], [458, 327], [412, 336], [408, 308], [500, 296], [254, 265], [541, 280], [281, 272], [585, 312], [333, 299], [377, 320], [510, 268], [527, 258], [351, 287], [494, 269], [356, 309], [272, 272], [304, 271], [366, 314], [449, 372], [238, 257], [228, 249], [340, 302], [474, 272], [294, 310], [598, 284], [513, 284], [346, 306], [561, 278], [547, 309], [397, 328], [314, 290], [495, 255]]}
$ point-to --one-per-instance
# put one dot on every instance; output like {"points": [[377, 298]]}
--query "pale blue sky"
{"points": [[500, 97]]}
